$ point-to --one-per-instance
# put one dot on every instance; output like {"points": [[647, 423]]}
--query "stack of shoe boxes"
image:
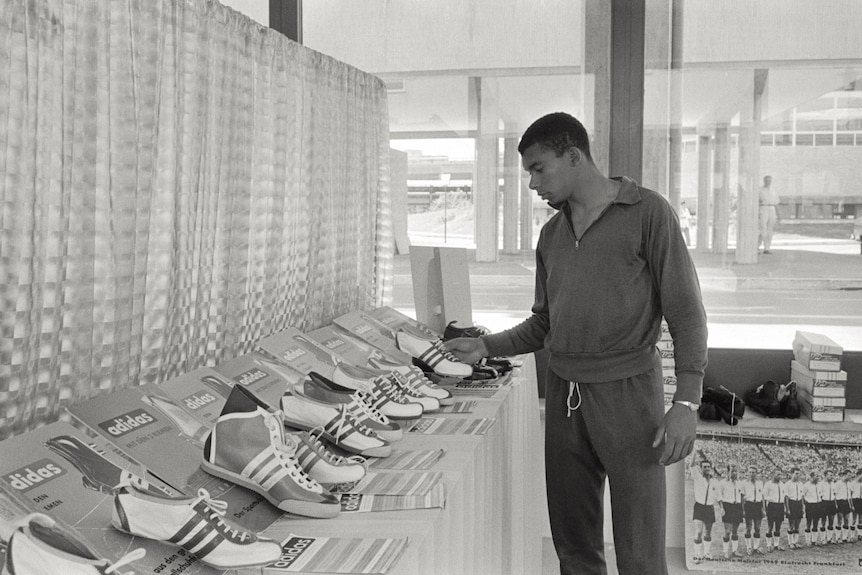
{"points": [[816, 368], [668, 365]]}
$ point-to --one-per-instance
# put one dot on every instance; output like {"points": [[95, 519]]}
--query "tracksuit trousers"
{"points": [[606, 430]]}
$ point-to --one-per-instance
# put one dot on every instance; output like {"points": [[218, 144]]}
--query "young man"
{"points": [[813, 509], [752, 510], [609, 265], [774, 501], [793, 494], [730, 498], [855, 487], [703, 514]]}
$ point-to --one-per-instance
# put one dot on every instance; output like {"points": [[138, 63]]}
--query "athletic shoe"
{"points": [[195, 524], [338, 426], [453, 331], [416, 380], [247, 447], [384, 394], [39, 547], [323, 465], [97, 473], [358, 405], [431, 352]]}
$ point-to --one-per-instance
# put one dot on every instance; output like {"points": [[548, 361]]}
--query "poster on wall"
{"points": [[781, 500]]}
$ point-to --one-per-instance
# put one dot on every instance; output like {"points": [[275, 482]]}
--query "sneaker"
{"points": [[97, 473], [323, 465], [195, 524], [358, 405], [383, 393], [431, 352], [338, 426], [247, 447], [411, 391], [453, 330], [416, 379], [39, 547]]}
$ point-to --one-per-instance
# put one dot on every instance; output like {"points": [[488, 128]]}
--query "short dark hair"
{"points": [[557, 132]]}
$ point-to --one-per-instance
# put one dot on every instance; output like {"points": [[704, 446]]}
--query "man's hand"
{"points": [[677, 431], [467, 349]]}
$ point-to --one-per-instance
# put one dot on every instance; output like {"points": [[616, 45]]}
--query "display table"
{"points": [[492, 522]]}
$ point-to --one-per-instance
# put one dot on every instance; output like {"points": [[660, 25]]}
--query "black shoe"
{"points": [[452, 331], [727, 401], [764, 399], [789, 403]]}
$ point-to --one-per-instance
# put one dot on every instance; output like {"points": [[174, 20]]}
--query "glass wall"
{"points": [[729, 98]]}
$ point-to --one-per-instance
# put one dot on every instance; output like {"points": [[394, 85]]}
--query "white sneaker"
{"points": [[195, 524], [323, 465], [358, 405], [339, 427], [431, 353], [416, 378], [40, 547], [384, 394]]}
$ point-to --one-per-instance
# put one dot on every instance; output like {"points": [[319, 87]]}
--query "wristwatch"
{"points": [[688, 404]]}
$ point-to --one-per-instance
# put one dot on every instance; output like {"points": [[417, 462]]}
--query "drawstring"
{"points": [[569, 408]]}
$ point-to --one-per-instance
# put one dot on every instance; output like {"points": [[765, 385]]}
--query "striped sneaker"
{"points": [[195, 524], [384, 394], [416, 379], [38, 547], [338, 426], [430, 352], [358, 405], [322, 464], [247, 447]]}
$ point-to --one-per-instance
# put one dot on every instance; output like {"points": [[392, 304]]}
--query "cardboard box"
{"points": [[817, 352], [818, 383], [817, 401], [821, 413]]}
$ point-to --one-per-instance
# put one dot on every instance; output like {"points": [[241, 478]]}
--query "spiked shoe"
{"points": [[384, 394], [430, 352], [247, 447], [39, 547], [337, 425], [358, 405], [195, 524]]}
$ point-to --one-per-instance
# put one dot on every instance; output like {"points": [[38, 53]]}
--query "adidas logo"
{"points": [[333, 343], [34, 474], [362, 329], [197, 401], [250, 377], [127, 422], [293, 354]]}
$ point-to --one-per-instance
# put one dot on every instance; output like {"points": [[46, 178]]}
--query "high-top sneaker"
{"points": [[246, 446], [358, 405], [40, 547], [98, 473], [431, 352], [338, 426], [385, 395], [323, 465], [196, 524], [416, 379]]}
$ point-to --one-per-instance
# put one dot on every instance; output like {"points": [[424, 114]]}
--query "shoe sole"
{"points": [[295, 506]]}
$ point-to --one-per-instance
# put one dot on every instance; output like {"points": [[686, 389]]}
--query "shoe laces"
{"points": [[408, 385], [216, 509], [333, 458], [346, 422], [438, 345], [388, 388], [361, 400], [285, 450]]}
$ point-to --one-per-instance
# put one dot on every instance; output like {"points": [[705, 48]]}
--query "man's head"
{"points": [[767, 181], [555, 151], [706, 468]]}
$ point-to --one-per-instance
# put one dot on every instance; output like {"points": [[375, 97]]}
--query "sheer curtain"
{"points": [[176, 182]]}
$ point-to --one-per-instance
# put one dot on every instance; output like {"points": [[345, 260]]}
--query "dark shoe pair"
{"points": [[764, 399]]}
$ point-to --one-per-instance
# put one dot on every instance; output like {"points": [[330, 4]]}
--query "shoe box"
{"points": [[67, 474], [817, 352]]}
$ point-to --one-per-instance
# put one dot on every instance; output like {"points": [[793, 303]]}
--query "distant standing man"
{"points": [[703, 514], [768, 213], [609, 264], [793, 495], [813, 509], [731, 511], [774, 500], [752, 510]]}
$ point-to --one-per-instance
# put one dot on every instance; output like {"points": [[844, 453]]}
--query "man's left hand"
{"points": [[677, 431]]}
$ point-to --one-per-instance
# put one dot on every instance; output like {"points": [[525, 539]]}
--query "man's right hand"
{"points": [[467, 349]]}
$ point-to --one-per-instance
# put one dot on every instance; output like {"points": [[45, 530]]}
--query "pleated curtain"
{"points": [[176, 182]]}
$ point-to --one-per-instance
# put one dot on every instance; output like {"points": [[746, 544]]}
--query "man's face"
{"points": [[706, 470], [752, 474], [829, 476], [550, 175], [795, 475]]}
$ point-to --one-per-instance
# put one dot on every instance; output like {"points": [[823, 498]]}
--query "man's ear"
{"points": [[574, 155]]}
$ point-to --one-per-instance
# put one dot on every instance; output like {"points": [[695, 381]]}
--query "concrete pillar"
{"points": [[526, 217], [704, 177], [511, 194], [485, 180], [398, 187], [749, 167], [721, 189]]}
